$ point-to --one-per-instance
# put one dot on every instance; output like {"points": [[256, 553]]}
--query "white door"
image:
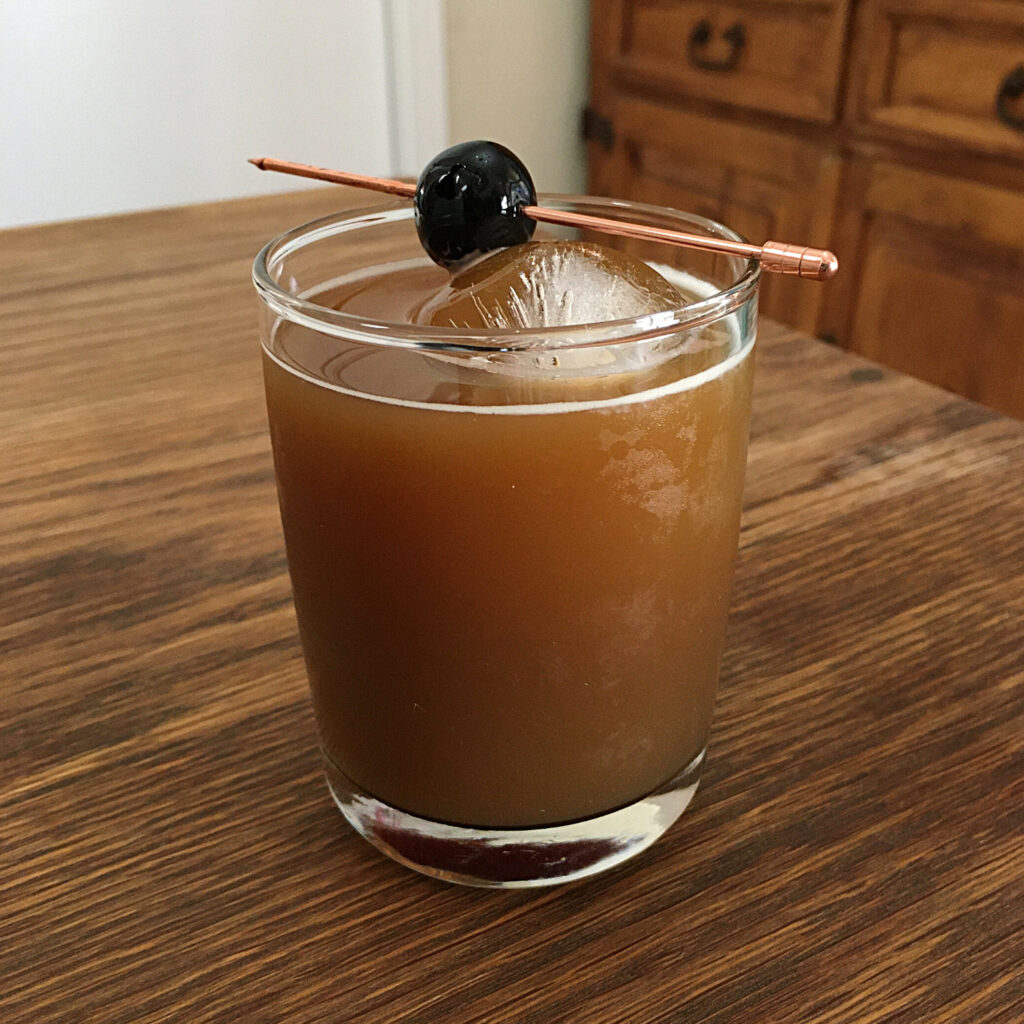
{"points": [[115, 105]]}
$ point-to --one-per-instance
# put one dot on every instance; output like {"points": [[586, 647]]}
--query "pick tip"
{"points": [[257, 161]]}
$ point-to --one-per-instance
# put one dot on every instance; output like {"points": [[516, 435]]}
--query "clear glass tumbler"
{"points": [[511, 551]]}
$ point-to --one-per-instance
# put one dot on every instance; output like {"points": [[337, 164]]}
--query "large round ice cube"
{"points": [[550, 284]]}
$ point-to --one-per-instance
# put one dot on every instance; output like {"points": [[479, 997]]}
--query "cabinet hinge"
{"points": [[597, 128]]}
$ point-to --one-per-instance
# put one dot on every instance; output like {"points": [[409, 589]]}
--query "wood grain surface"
{"points": [[168, 850]]}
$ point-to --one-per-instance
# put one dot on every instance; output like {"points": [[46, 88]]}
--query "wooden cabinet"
{"points": [[763, 184], [937, 288], [782, 56], [939, 74], [886, 130]]}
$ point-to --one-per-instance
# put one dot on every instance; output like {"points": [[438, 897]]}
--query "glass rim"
{"points": [[389, 333]]}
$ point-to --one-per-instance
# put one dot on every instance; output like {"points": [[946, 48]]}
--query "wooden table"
{"points": [[169, 850]]}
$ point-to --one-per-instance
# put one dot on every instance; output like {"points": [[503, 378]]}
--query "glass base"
{"points": [[514, 858]]}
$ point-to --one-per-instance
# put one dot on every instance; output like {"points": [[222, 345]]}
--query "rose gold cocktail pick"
{"points": [[779, 258]]}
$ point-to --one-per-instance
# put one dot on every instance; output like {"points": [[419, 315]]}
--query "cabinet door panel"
{"points": [[939, 291], [761, 183]]}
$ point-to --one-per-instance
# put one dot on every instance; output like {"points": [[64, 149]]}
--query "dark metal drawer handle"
{"points": [[736, 37], [1012, 88]]}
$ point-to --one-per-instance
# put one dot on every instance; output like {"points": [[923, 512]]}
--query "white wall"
{"points": [[113, 105], [517, 74]]}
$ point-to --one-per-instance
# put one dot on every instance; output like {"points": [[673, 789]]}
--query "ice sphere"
{"points": [[550, 284]]}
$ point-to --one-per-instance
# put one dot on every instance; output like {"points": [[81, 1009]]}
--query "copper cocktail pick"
{"points": [[777, 257]]}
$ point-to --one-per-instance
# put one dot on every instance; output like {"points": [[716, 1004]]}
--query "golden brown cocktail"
{"points": [[511, 550]]}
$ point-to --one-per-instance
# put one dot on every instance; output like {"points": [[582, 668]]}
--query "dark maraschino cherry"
{"points": [[469, 200]]}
